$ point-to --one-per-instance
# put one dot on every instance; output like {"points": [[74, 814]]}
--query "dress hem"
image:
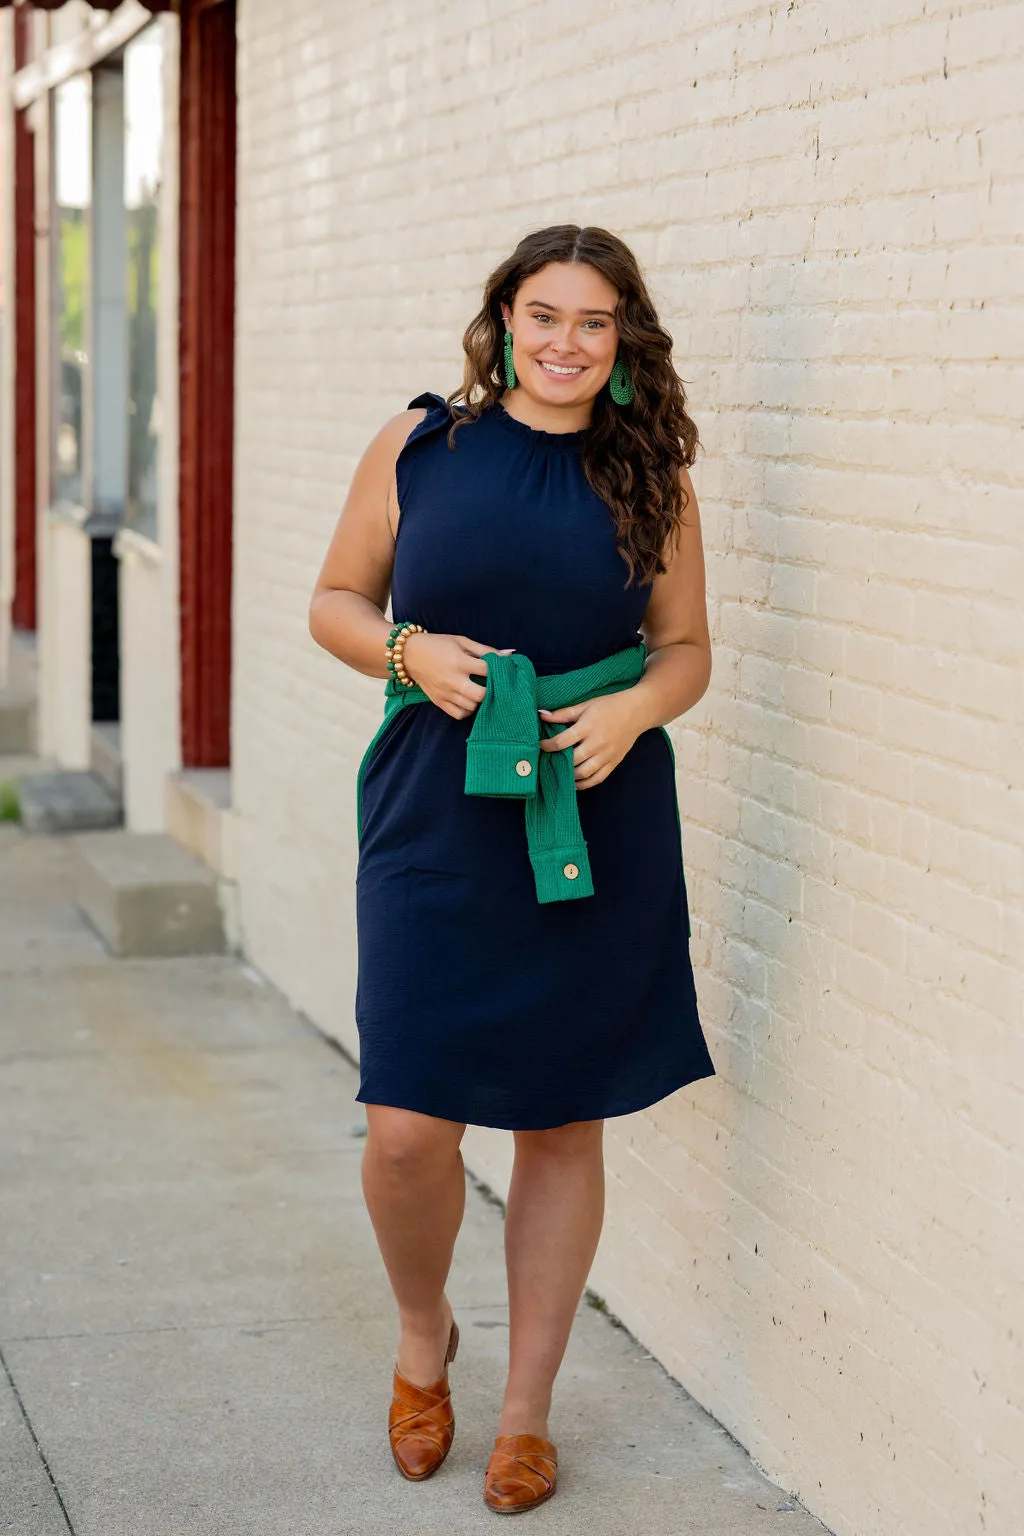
{"points": [[392, 1102]]}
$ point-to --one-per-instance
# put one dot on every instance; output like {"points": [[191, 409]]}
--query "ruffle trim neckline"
{"points": [[535, 435]]}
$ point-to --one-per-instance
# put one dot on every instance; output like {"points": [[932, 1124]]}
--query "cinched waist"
{"points": [[504, 759]]}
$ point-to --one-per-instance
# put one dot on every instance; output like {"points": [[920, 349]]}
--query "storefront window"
{"points": [[143, 120], [72, 180]]}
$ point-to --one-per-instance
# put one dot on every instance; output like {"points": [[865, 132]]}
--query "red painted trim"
{"points": [[23, 611], [207, 274]]}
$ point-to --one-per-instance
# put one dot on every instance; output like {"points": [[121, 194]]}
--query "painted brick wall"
{"points": [[819, 1242]]}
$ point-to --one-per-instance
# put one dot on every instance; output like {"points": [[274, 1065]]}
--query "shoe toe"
{"points": [[520, 1473], [508, 1493], [417, 1457]]}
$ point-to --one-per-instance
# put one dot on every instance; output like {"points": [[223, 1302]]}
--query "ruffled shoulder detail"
{"points": [[428, 398], [438, 419]]}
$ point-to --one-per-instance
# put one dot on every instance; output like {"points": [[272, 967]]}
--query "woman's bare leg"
{"points": [[553, 1222], [414, 1182]]}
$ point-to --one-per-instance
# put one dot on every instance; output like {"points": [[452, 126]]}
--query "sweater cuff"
{"points": [[503, 768], [563, 873]]}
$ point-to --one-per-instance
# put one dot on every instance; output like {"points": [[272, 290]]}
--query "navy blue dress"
{"points": [[474, 1001]]}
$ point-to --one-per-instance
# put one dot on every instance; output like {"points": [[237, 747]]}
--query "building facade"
{"points": [[818, 1242]]}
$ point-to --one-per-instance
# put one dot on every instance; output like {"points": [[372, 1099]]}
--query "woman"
{"points": [[521, 908]]}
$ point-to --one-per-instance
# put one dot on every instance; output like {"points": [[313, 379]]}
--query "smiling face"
{"points": [[564, 337]]}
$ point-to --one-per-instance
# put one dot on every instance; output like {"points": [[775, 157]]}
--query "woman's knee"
{"points": [[578, 1139], [405, 1145]]}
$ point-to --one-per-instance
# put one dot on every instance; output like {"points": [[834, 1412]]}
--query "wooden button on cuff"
{"points": [[523, 767], [570, 871]]}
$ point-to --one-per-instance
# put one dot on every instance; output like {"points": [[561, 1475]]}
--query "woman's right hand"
{"points": [[444, 667]]}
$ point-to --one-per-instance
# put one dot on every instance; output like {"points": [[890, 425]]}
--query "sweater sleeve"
{"points": [[504, 743]]}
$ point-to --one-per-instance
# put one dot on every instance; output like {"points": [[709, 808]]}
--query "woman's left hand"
{"points": [[600, 733]]}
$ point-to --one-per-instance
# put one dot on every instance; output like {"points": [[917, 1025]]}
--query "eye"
{"points": [[541, 316], [599, 323]]}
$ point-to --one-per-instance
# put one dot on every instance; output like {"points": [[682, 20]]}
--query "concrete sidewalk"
{"points": [[195, 1325]]}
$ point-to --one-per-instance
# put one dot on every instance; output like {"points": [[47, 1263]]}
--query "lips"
{"points": [[555, 372]]}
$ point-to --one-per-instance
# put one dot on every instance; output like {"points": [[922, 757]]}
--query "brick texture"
{"points": [[821, 1242]]}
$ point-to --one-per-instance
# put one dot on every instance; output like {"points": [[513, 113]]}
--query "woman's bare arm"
{"points": [[346, 613], [675, 625]]}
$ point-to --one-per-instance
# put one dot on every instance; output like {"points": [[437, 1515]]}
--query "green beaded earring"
{"points": [[510, 372], [620, 385]]}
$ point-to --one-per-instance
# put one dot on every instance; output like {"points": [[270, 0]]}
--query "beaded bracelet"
{"points": [[395, 648]]}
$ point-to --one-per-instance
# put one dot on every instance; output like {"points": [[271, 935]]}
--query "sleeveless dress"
{"points": [[474, 1001]]}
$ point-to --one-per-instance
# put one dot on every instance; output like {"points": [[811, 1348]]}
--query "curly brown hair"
{"points": [[631, 454]]}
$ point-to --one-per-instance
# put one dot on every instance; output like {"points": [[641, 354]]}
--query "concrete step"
{"points": [[105, 757], [147, 895], [22, 663], [17, 722], [66, 801], [197, 805]]}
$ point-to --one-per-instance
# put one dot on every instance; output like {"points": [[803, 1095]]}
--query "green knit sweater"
{"points": [[503, 755]]}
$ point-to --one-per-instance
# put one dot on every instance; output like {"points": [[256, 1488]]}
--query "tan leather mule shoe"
{"points": [[521, 1473], [421, 1423]]}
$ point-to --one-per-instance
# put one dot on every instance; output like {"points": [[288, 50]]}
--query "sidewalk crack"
{"points": [[35, 1441]]}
